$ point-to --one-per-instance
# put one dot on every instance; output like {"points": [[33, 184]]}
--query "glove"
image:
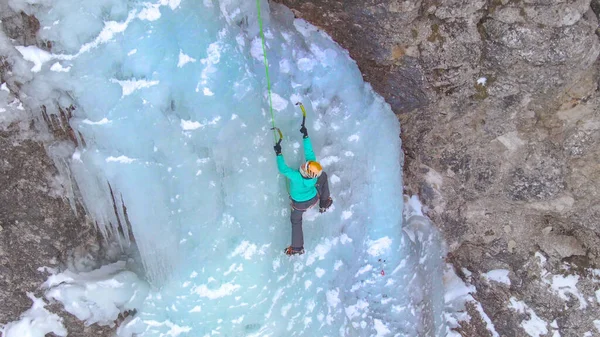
{"points": [[277, 149], [304, 131]]}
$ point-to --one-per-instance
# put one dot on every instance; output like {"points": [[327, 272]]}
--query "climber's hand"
{"points": [[304, 131], [277, 148]]}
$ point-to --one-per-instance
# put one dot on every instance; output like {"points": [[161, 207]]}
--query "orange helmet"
{"points": [[311, 169]]}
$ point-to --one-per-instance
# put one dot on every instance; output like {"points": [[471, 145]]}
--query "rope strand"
{"points": [[264, 48]]}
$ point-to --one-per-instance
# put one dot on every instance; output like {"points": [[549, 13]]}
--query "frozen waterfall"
{"points": [[174, 143]]}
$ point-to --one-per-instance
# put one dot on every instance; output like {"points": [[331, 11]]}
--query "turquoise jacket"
{"points": [[301, 189]]}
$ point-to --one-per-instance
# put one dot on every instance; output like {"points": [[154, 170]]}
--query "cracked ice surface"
{"points": [[172, 104]]}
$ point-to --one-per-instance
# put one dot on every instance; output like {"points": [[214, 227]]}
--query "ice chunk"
{"points": [[98, 296]]}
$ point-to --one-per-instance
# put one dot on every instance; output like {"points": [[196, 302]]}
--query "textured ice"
{"points": [[98, 296], [174, 140]]}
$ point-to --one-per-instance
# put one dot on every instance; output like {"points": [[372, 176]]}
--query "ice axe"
{"points": [[280, 134], [303, 112]]}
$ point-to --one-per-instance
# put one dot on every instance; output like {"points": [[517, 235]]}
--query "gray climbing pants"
{"points": [[298, 208]]}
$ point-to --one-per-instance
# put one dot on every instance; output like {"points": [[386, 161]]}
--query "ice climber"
{"points": [[308, 185]]}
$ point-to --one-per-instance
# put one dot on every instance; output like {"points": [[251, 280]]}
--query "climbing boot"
{"points": [[294, 251], [323, 206]]}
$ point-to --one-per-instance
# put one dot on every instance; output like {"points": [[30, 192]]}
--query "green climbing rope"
{"points": [[264, 48]]}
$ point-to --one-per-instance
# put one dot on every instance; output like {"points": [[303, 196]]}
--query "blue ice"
{"points": [[173, 122]]}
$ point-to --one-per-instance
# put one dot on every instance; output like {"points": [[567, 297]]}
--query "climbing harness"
{"points": [[264, 48], [316, 197]]}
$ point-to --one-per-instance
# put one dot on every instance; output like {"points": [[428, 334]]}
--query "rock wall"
{"points": [[38, 225], [500, 116]]}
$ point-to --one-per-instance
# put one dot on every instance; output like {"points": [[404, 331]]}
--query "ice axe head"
{"points": [[280, 134], [303, 112]]}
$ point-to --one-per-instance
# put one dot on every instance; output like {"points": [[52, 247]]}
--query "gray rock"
{"points": [[562, 246], [503, 132], [38, 229]]}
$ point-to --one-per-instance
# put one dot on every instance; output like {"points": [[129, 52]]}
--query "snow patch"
{"points": [[188, 125], [35, 322], [100, 295], [224, 290], [379, 247], [563, 285], [35, 55], [333, 297], [120, 159], [279, 103], [100, 122], [533, 326], [59, 68], [184, 59], [382, 329], [129, 86], [497, 275]]}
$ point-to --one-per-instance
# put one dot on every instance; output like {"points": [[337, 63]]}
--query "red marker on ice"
{"points": [[382, 272]]}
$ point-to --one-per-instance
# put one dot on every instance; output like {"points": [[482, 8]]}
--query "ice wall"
{"points": [[172, 125]]}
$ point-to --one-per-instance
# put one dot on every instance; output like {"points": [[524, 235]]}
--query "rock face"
{"points": [[500, 116], [38, 226]]}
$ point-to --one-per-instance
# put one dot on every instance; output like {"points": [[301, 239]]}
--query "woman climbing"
{"points": [[308, 185]]}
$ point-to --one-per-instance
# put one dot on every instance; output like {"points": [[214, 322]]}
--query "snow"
{"points": [[184, 59], [100, 122], [563, 285], [59, 68], [497, 275], [37, 321], [35, 55], [379, 247], [120, 159], [381, 328], [488, 322], [533, 326], [346, 215], [333, 297], [223, 290], [456, 289], [279, 103], [98, 296], [256, 50], [188, 125], [129, 86], [457, 294]]}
